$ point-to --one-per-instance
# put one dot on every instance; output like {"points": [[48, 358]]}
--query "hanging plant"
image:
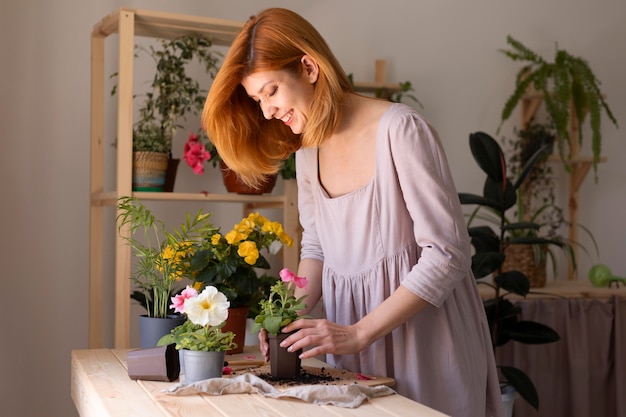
{"points": [[567, 83]]}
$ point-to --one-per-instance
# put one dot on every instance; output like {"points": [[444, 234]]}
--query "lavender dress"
{"points": [[405, 227]]}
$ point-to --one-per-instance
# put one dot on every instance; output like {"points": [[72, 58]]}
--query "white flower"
{"points": [[209, 307]]}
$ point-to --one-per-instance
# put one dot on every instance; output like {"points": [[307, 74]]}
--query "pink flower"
{"points": [[195, 154], [287, 276], [178, 301]]}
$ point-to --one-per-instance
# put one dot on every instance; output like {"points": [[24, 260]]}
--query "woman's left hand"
{"points": [[323, 336]]}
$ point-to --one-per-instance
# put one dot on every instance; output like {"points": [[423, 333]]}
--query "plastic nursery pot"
{"points": [[283, 364]]}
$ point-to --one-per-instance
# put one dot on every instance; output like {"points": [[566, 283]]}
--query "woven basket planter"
{"points": [[149, 170], [522, 258]]}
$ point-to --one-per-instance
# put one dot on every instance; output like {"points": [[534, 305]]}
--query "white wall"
{"points": [[449, 50]]}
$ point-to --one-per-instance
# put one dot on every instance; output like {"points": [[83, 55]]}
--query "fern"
{"points": [[568, 85]]}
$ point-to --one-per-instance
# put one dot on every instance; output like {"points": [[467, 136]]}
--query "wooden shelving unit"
{"points": [[580, 164], [129, 23]]}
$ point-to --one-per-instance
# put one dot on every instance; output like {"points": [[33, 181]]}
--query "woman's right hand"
{"points": [[264, 344]]}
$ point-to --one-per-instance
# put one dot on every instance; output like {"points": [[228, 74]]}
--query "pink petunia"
{"points": [[178, 301], [195, 154], [287, 276]]}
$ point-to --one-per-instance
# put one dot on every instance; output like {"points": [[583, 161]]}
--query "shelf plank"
{"points": [[110, 198], [170, 26]]}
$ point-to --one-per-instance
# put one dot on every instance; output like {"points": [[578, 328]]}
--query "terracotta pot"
{"points": [[236, 323], [283, 364], [234, 185]]}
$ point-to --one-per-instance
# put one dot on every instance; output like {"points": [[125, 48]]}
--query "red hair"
{"points": [[274, 40]]}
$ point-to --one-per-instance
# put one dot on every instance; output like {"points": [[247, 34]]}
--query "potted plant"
{"points": [[173, 93], [275, 312], [151, 151], [229, 262], [163, 260], [536, 203], [499, 195], [568, 85], [200, 337], [198, 149]]}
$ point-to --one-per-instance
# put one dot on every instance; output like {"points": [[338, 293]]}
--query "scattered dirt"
{"points": [[305, 378]]}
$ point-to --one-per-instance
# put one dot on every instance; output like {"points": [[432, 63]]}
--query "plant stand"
{"points": [[580, 165]]}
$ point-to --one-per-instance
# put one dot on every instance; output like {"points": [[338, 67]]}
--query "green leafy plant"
{"points": [[163, 258], [173, 93], [568, 82], [228, 261], [206, 316], [281, 306], [150, 138], [499, 195]]}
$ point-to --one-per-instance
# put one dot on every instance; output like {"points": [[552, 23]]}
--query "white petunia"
{"points": [[210, 307]]}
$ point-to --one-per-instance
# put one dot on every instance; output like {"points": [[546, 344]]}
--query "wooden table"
{"points": [[101, 387]]}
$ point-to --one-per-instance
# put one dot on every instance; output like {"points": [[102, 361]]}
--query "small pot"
{"points": [[201, 365], [283, 364]]}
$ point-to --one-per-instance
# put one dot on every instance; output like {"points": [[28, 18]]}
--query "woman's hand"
{"points": [[264, 345], [323, 336]]}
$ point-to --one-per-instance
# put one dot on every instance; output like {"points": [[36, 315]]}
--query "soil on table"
{"points": [[305, 378]]}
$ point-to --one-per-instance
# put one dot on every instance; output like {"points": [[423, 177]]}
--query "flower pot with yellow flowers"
{"points": [[229, 262], [162, 261]]}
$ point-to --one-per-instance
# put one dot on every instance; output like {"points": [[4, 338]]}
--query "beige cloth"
{"points": [[349, 396]]}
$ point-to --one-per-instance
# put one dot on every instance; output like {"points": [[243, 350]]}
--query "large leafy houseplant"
{"points": [[568, 84], [499, 195]]}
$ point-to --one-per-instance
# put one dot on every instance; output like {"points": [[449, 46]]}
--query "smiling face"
{"points": [[284, 95]]}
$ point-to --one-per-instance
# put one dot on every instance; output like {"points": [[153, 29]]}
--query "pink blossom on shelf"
{"points": [[195, 154]]}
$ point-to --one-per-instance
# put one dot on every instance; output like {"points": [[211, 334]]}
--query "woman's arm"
{"points": [[323, 336]]}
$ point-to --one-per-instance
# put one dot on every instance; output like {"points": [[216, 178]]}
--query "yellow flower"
{"points": [[285, 239], [249, 252], [215, 239], [234, 236]]}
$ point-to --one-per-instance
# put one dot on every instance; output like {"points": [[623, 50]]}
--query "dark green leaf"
{"points": [[488, 155], [522, 384], [514, 281], [532, 333], [485, 263]]}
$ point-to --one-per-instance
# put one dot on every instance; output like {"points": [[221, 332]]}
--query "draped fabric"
{"points": [[583, 374]]}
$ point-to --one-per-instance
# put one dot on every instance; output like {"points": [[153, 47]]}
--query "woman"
{"points": [[384, 240]]}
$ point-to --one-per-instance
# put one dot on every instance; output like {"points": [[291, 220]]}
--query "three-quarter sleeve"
{"points": [[432, 201]]}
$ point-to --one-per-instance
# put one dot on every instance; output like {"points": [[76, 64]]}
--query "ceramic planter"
{"points": [[283, 364], [236, 323], [234, 185], [151, 329], [202, 365]]}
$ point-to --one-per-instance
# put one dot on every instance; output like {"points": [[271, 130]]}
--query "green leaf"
{"points": [[485, 263], [533, 333], [488, 154], [514, 281], [522, 384], [272, 324]]}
